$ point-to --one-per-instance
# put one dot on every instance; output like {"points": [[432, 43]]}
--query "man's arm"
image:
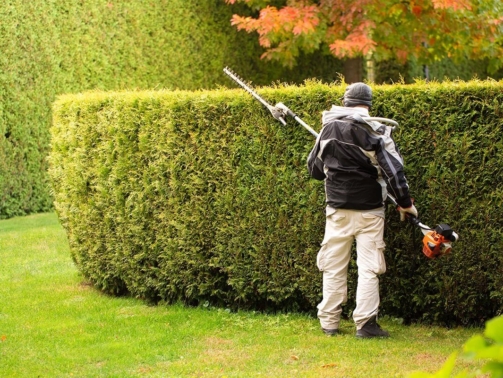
{"points": [[314, 163], [391, 164]]}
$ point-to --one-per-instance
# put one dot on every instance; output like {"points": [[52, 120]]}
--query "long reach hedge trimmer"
{"points": [[436, 241]]}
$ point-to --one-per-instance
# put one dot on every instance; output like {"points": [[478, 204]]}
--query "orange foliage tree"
{"points": [[429, 30]]}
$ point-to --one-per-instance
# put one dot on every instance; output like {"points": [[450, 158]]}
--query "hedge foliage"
{"points": [[204, 197], [61, 46]]}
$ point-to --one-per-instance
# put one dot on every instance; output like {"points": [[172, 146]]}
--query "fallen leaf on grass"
{"points": [[328, 365], [3, 338], [293, 357]]}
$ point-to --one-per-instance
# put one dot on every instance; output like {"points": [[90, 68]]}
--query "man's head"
{"points": [[358, 94]]}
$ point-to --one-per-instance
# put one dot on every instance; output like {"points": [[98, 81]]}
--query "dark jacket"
{"points": [[359, 162]]}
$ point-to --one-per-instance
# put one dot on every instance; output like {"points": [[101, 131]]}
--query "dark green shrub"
{"points": [[391, 71], [451, 140], [202, 196]]}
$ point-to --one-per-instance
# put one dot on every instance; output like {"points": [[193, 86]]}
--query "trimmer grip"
{"points": [[290, 113], [412, 219]]}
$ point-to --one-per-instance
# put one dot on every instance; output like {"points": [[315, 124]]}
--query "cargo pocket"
{"points": [[320, 257], [381, 263]]}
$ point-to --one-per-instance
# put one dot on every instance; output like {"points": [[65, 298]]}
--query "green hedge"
{"points": [[203, 197], [60, 46], [452, 142]]}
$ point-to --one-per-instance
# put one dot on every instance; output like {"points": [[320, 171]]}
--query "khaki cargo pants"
{"points": [[342, 228]]}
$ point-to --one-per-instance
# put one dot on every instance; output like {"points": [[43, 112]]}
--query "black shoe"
{"points": [[371, 329], [330, 332]]}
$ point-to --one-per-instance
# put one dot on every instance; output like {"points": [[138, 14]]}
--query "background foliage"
{"points": [[203, 197], [425, 31], [60, 46]]}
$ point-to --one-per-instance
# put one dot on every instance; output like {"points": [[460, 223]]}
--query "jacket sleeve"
{"points": [[314, 163], [392, 167]]}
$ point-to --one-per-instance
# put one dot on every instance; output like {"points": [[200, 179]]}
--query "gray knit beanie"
{"points": [[358, 94]]}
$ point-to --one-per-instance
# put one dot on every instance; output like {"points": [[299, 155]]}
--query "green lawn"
{"points": [[54, 324]]}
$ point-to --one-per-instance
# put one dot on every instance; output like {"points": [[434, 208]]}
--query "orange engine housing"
{"points": [[435, 244]]}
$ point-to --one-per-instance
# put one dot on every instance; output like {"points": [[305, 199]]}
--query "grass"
{"points": [[54, 324]]}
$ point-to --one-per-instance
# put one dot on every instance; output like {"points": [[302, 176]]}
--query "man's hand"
{"points": [[409, 210]]}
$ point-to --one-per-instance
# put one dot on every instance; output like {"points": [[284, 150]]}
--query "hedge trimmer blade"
{"points": [[277, 113]]}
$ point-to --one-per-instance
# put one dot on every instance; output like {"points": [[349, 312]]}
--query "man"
{"points": [[359, 162]]}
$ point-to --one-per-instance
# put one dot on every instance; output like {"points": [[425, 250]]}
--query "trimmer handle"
{"points": [[447, 232], [412, 219]]}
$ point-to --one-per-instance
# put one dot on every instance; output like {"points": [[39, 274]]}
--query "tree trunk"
{"points": [[353, 70]]}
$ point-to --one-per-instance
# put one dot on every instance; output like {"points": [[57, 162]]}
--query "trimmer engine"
{"points": [[437, 242]]}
